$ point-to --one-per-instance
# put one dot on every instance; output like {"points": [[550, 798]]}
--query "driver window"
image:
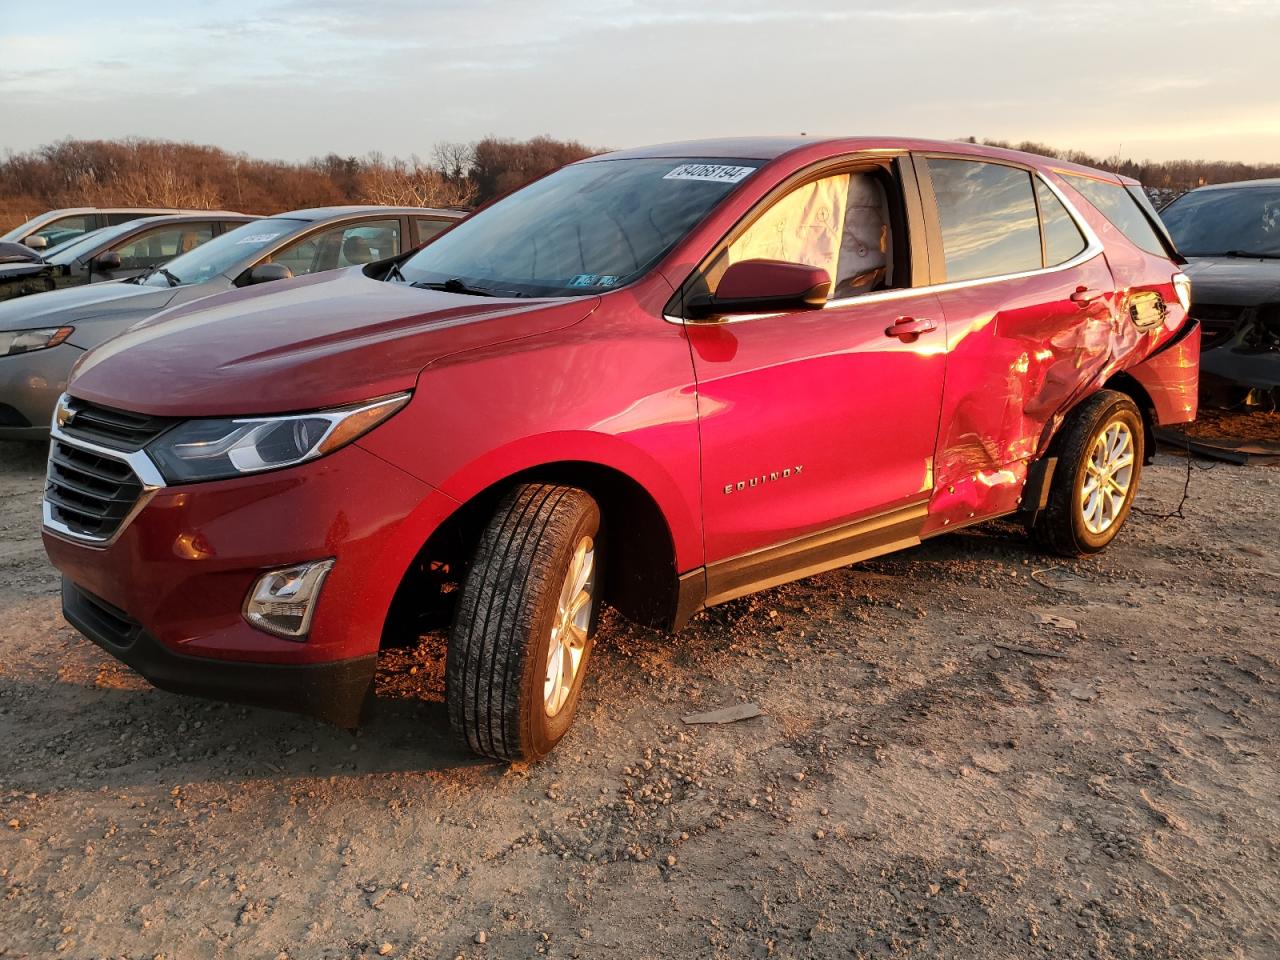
{"points": [[154, 247], [839, 223], [341, 246]]}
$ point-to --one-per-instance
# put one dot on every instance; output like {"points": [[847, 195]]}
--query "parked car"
{"points": [[115, 253], [660, 379], [42, 337], [58, 226], [11, 252], [1230, 234]]}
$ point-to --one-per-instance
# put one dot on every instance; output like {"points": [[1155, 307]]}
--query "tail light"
{"points": [[1182, 286]]}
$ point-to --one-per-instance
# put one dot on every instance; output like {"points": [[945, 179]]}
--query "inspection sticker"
{"points": [[257, 238], [715, 172], [594, 280]]}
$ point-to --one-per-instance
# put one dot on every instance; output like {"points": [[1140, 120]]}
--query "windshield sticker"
{"points": [[715, 172], [257, 238], [594, 280]]}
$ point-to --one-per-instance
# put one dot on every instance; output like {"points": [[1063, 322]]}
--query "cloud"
{"points": [[292, 78]]}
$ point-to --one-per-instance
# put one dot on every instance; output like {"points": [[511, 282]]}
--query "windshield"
{"points": [[222, 253], [22, 229], [1244, 220], [66, 252], [586, 228]]}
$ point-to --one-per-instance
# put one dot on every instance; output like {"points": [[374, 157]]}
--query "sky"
{"points": [[291, 79]]}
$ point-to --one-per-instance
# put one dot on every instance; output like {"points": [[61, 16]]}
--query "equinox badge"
{"points": [[784, 474]]}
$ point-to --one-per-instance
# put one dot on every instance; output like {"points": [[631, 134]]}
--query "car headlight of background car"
{"points": [[25, 341], [214, 449]]}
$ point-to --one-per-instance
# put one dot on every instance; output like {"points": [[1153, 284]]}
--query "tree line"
{"points": [[1176, 176], [138, 172], [161, 173]]}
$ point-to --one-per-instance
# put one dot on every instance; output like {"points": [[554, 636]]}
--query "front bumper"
{"points": [[30, 384], [179, 570], [337, 691], [1247, 367]]}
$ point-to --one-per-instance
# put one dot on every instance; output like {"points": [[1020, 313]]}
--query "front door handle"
{"points": [[1084, 296], [907, 329]]}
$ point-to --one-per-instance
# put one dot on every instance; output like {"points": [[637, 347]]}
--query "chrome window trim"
{"points": [[137, 461], [1092, 248]]}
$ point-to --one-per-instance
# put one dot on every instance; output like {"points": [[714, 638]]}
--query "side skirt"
{"points": [[803, 557]]}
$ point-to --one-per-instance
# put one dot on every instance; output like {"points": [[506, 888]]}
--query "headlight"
{"points": [[24, 341], [212, 449]]}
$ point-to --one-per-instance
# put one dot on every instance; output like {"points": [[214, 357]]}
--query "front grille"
{"points": [[113, 428], [88, 493]]}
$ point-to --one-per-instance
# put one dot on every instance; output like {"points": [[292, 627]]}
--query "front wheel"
{"points": [[525, 623], [1099, 464]]}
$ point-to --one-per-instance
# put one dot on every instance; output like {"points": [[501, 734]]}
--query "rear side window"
{"points": [[1114, 202], [1062, 238], [987, 212], [430, 228]]}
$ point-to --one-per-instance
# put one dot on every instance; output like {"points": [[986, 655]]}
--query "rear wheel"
{"points": [[1099, 465], [525, 623]]}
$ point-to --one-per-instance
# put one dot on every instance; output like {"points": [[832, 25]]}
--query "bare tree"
{"points": [[453, 159], [411, 183]]}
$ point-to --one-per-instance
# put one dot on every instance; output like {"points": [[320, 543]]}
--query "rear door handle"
{"points": [[908, 328], [1084, 296]]}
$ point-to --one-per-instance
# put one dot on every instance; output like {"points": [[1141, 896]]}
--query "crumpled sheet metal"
{"points": [[992, 427]]}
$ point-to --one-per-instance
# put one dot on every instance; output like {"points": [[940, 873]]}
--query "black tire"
{"points": [[1061, 527], [496, 664]]}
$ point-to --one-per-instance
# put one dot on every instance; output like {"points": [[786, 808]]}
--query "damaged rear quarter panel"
{"points": [[1171, 377], [1022, 354]]}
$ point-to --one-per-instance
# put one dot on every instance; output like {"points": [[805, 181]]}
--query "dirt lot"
{"points": [[917, 785]]}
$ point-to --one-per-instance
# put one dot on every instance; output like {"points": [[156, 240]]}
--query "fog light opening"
{"points": [[283, 601]]}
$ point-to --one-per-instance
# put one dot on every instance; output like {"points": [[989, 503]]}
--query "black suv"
{"points": [[1230, 235]]}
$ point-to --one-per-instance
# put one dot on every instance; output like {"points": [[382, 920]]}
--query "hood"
{"points": [[9, 271], [58, 307], [325, 340], [1233, 281], [11, 252]]}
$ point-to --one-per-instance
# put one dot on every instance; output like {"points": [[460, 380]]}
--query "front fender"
{"points": [[561, 449]]}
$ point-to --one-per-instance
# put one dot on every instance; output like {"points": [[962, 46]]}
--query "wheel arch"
{"points": [[1041, 470], [1127, 384], [645, 588]]}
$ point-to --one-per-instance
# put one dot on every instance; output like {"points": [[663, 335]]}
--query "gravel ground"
{"points": [[966, 750]]}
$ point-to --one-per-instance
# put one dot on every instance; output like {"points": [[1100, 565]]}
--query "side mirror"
{"points": [[107, 261], [266, 272], [36, 242], [766, 286]]}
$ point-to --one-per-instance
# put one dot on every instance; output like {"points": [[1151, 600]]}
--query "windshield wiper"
{"points": [[173, 280], [1252, 255], [454, 285]]}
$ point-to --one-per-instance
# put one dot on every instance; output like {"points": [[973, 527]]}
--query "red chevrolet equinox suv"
{"points": [[659, 379]]}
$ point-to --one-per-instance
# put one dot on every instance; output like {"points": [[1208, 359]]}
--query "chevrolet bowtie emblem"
{"points": [[65, 414]]}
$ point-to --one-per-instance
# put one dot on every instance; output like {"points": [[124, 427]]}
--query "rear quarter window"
{"points": [[1115, 203]]}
